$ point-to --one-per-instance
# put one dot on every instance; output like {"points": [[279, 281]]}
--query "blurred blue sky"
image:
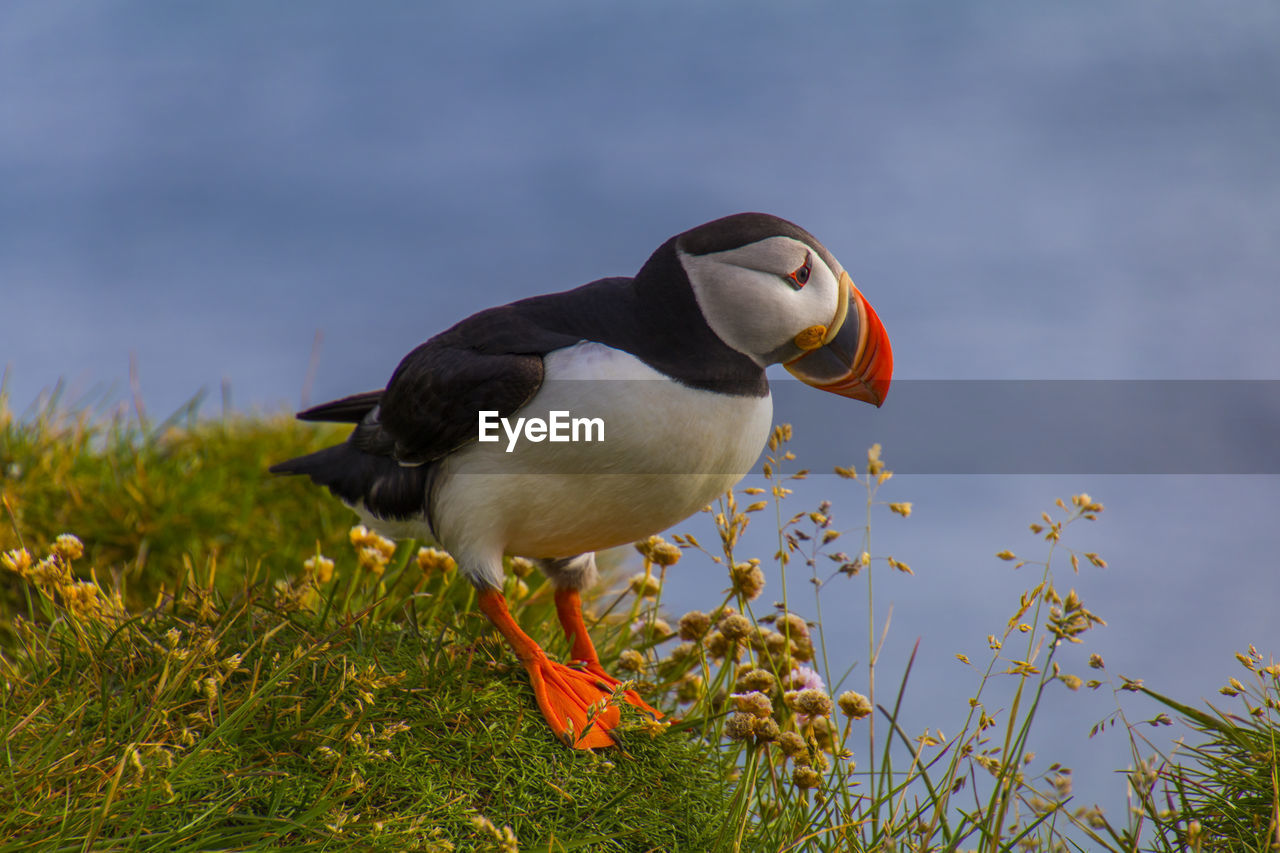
{"points": [[1083, 191]]}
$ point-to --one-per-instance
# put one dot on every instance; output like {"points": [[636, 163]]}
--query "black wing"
{"points": [[490, 361]]}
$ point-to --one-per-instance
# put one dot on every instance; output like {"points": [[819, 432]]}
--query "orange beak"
{"points": [[854, 359]]}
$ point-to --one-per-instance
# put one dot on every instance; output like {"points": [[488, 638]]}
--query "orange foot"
{"points": [[574, 700]]}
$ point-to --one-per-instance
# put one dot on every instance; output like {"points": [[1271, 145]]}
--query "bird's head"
{"points": [[770, 290]]}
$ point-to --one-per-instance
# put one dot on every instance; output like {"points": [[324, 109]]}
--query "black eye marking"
{"points": [[800, 277]]}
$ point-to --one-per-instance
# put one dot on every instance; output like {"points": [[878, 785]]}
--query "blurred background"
{"points": [[1025, 193]]}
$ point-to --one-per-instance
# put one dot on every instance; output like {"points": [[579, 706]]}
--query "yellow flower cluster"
{"points": [[52, 576], [373, 551], [434, 560]]}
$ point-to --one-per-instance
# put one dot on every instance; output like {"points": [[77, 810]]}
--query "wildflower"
{"points": [[435, 560], [645, 586], [753, 703], [694, 624], [630, 661], [805, 678], [17, 560], [1006, 555], [747, 579], [82, 600], [521, 567], [903, 509], [68, 547], [319, 567], [854, 704], [372, 560], [48, 573], [735, 627], [363, 537]]}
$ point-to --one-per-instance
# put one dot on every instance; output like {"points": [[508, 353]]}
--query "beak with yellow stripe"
{"points": [[851, 356]]}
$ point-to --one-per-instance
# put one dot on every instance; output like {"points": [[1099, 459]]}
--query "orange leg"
{"points": [[565, 695], [569, 609]]}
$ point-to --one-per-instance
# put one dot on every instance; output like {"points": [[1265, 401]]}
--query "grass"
{"points": [[218, 662]]}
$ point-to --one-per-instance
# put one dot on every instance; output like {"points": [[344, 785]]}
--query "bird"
{"points": [[670, 362]]}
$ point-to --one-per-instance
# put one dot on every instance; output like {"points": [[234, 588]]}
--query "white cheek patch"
{"points": [[747, 302]]}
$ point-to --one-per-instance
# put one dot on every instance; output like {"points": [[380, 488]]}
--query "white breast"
{"points": [[668, 450]]}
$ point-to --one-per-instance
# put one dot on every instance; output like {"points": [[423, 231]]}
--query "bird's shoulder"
{"points": [[491, 361]]}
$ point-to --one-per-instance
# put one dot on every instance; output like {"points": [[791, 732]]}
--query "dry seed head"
{"points": [[759, 680], [630, 661], [690, 688], [521, 567], [684, 651], [767, 730], [792, 745], [794, 625], [645, 586], [659, 551], [903, 508], [754, 703], [694, 625], [747, 579], [806, 777], [716, 645], [735, 627], [854, 704], [740, 726], [774, 643], [811, 703]]}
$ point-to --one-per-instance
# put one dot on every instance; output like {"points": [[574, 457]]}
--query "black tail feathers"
{"points": [[382, 485]]}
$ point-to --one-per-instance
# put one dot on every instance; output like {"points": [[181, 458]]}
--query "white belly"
{"points": [[668, 450]]}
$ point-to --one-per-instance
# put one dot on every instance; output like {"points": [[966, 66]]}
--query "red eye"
{"points": [[800, 277]]}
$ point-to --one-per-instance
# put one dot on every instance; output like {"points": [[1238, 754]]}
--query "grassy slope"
{"points": [[231, 699], [334, 726]]}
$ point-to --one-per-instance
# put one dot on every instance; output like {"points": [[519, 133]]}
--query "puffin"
{"points": [[665, 373]]}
